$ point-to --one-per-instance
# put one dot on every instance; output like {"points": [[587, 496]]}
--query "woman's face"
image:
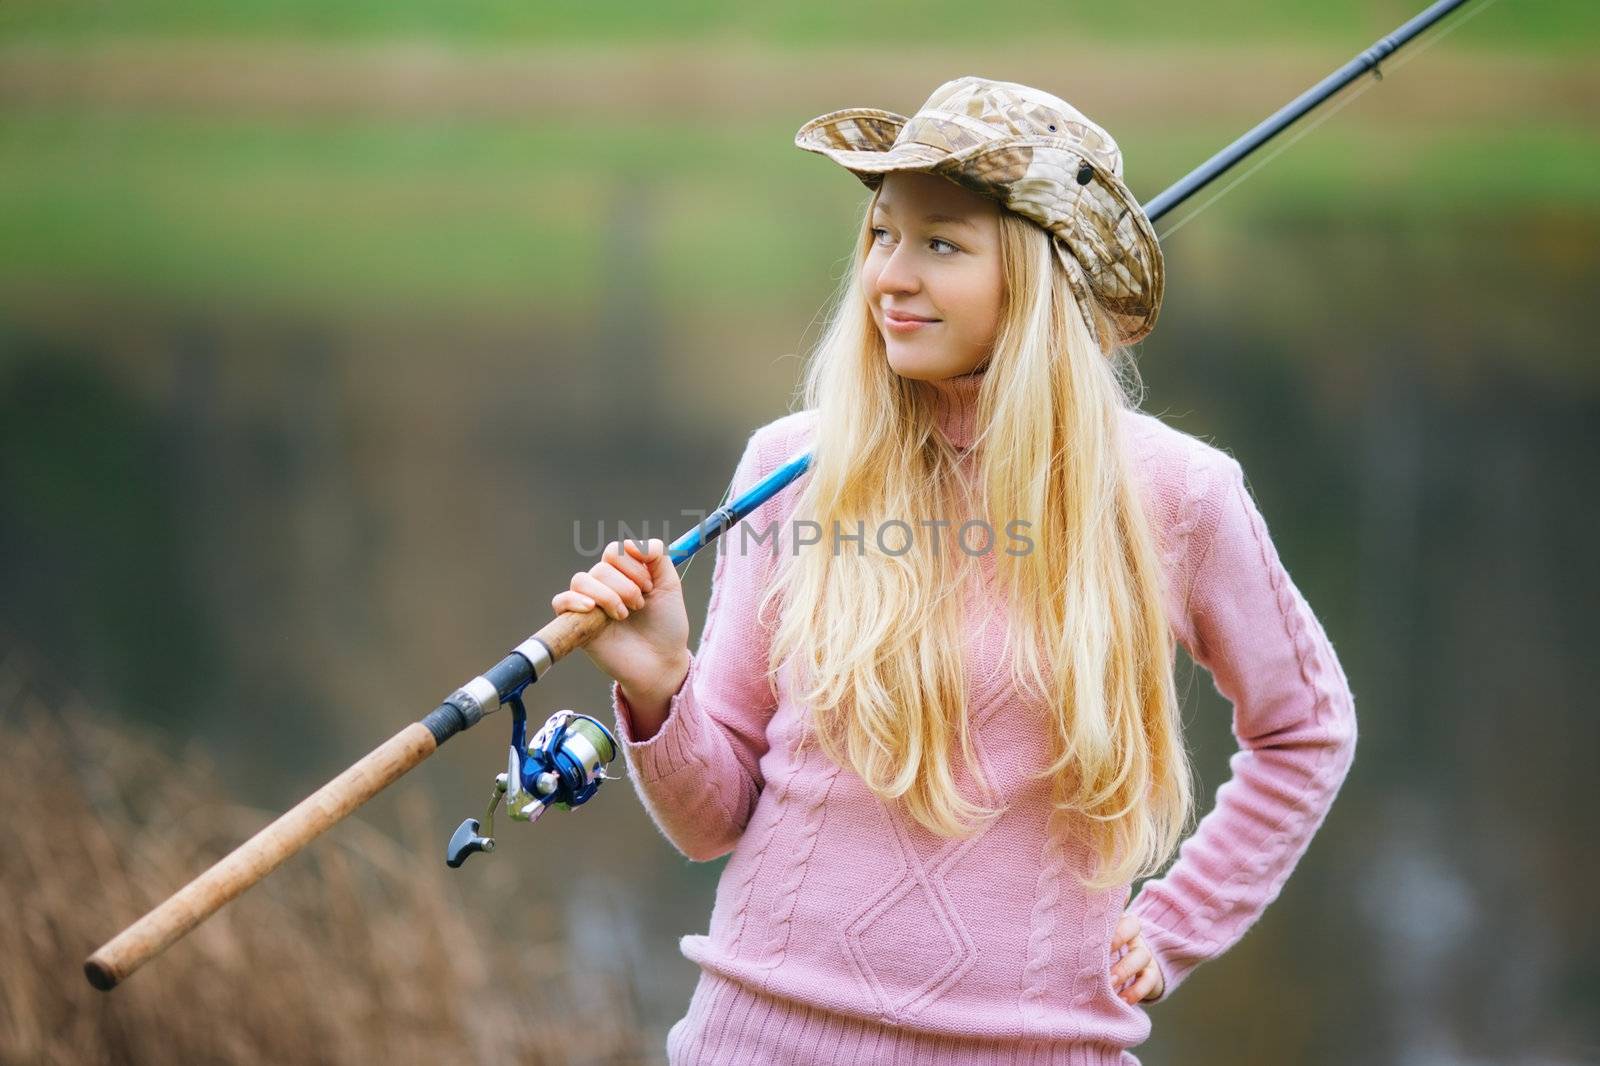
{"points": [[945, 268]]}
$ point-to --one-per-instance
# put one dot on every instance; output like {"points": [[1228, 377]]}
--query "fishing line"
{"points": [[1377, 76]]}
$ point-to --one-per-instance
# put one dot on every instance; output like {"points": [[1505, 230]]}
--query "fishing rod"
{"points": [[563, 764], [1289, 113]]}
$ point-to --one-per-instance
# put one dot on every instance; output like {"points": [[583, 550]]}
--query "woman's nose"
{"points": [[898, 273]]}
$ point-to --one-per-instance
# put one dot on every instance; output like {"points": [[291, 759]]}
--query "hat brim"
{"points": [[862, 140], [1027, 175]]}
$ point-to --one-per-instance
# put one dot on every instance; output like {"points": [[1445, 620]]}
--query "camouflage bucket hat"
{"points": [[1041, 158]]}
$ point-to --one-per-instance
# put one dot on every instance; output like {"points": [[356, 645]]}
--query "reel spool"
{"points": [[562, 765]]}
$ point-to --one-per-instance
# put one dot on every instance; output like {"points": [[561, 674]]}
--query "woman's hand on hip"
{"points": [[1135, 975]]}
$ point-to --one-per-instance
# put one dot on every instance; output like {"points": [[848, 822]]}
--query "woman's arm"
{"points": [[698, 775], [1294, 717]]}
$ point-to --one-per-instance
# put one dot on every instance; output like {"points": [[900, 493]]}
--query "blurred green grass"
{"points": [[1568, 26], [219, 185], [490, 216]]}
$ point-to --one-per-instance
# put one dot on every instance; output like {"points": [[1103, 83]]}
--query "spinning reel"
{"points": [[562, 765]]}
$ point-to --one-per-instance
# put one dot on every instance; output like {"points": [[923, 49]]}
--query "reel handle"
{"points": [[465, 842]]}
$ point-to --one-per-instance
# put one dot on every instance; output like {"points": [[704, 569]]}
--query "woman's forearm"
{"points": [[650, 699]]}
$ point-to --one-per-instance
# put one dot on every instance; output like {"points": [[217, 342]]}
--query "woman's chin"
{"points": [[912, 364]]}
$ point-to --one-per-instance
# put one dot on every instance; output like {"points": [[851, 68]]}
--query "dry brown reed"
{"points": [[353, 951]]}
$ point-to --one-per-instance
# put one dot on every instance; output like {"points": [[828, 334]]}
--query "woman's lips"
{"points": [[906, 325]]}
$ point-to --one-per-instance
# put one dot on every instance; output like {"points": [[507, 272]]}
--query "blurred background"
{"points": [[333, 334]]}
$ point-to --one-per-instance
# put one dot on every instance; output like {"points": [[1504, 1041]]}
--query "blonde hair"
{"points": [[1087, 632]]}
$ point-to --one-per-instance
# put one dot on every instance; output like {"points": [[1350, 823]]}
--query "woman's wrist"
{"points": [[651, 698]]}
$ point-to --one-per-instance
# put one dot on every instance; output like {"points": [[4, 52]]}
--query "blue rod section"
{"points": [[734, 511]]}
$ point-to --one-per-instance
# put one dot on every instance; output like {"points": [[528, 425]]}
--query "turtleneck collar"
{"points": [[956, 407]]}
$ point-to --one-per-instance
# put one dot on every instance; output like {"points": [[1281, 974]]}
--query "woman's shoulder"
{"points": [[1184, 478], [796, 428], [775, 443], [1166, 452], [768, 447]]}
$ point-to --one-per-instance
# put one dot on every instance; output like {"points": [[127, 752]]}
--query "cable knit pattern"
{"points": [[811, 815], [1047, 898], [843, 932]]}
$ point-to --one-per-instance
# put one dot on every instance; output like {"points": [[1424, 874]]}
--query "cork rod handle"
{"points": [[258, 856]]}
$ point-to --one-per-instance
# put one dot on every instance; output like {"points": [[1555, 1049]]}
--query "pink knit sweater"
{"points": [[844, 932]]}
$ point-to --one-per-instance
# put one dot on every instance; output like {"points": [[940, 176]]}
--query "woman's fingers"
{"points": [[618, 583], [1136, 976], [602, 593], [1145, 986], [1130, 964], [571, 601], [627, 565], [626, 575], [608, 581], [649, 553], [1127, 929]]}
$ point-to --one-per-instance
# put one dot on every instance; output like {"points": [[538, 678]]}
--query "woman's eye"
{"points": [[936, 240]]}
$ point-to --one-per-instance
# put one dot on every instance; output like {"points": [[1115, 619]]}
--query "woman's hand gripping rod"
{"points": [[563, 764]]}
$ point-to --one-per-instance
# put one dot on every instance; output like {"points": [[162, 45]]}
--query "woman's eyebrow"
{"points": [[935, 217]]}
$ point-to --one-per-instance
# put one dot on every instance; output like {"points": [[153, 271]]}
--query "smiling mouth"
{"points": [[908, 325]]}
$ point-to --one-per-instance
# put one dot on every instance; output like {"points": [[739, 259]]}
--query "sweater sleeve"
{"points": [[1294, 719], [699, 775]]}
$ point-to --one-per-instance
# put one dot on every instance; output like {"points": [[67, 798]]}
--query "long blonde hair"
{"points": [[1087, 632]]}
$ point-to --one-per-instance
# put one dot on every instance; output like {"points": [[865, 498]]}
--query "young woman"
{"points": [[932, 714]]}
